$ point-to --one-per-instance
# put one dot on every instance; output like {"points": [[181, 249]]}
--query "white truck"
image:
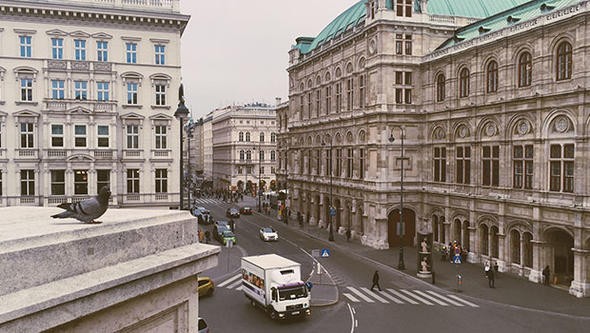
{"points": [[274, 283]]}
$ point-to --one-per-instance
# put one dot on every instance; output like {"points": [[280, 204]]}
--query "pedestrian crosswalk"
{"points": [[211, 201], [385, 296]]}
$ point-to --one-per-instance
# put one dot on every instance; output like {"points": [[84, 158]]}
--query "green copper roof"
{"points": [[524, 12], [356, 15]]}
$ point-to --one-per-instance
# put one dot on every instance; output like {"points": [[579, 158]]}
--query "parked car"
{"points": [[232, 212], [203, 215], [227, 235], [268, 234], [202, 328], [246, 210], [206, 286], [218, 227]]}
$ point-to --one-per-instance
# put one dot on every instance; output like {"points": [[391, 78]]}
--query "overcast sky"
{"points": [[236, 51]]}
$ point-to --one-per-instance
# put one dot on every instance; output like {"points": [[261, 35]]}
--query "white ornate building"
{"points": [[492, 99], [88, 90]]}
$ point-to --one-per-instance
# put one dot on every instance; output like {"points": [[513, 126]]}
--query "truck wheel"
{"points": [[273, 315]]}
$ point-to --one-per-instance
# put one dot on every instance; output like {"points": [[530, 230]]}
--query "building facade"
{"points": [[244, 148], [282, 144], [88, 91], [482, 108]]}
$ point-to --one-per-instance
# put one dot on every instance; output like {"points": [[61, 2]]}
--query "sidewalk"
{"points": [[510, 289]]}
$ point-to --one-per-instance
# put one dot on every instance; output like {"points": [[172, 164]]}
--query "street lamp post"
{"points": [[189, 136], [400, 228], [259, 175], [181, 114], [331, 209]]}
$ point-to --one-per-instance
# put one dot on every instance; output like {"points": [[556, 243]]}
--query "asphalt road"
{"points": [[425, 308]]}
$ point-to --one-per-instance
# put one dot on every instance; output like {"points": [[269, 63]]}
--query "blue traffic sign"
{"points": [[456, 259], [332, 211], [325, 253]]}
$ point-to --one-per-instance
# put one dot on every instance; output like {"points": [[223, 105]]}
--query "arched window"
{"points": [[464, 83], [273, 137], [249, 155], [247, 136], [564, 61], [492, 77], [241, 155], [241, 136], [525, 70], [272, 155], [440, 88]]}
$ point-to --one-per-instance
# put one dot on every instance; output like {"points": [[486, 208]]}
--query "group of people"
{"points": [[454, 248]]}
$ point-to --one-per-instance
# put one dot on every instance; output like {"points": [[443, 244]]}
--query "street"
{"points": [[405, 304]]}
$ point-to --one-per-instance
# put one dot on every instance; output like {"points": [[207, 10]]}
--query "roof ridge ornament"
{"points": [[546, 7]]}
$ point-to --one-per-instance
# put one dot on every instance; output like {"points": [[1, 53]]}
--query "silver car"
{"points": [[268, 234]]}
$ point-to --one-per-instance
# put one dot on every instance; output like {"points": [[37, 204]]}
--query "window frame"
{"points": [[440, 87], [132, 136], [464, 76], [103, 91], [131, 53], [564, 61], [161, 180], [57, 48], [79, 137], [525, 69], [100, 138], [102, 51], [161, 137], [58, 181], [160, 54], [81, 90], [80, 49], [58, 90], [439, 159], [132, 180], [55, 137], [490, 165], [463, 165], [492, 77], [25, 46], [80, 182], [27, 135]]}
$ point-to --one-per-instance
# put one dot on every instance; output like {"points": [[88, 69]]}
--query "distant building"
{"points": [[208, 147], [491, 99], [88, 91], [282, 145]]}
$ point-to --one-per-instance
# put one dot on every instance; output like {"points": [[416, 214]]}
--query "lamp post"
{"points": [[400, 228], [331, 209], [259, 175], [181, 114], [189, 136]]}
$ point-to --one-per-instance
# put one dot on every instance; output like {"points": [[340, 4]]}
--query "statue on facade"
{"points": [[424, 245]]}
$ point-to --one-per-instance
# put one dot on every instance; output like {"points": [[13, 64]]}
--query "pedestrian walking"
{"points": [[546, 275], [232, 225], [376, 281], [490, 274], [348, 235]]}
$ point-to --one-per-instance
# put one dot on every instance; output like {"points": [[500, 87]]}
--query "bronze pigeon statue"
{"points": [[86, 210]]}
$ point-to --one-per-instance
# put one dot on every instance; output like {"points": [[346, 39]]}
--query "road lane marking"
{"points": [[228, 281], [384, 293], [425, 295], [464, 301], [400, 295], [351, 298], [239, 288], [445, 297], [372, 293], [416, 297], [361, 295], [235, 284]]}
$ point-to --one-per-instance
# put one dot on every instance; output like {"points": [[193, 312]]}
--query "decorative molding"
{"points": [[102, 35], [131, 39], [56, 32], [79, 34], [159, 41], [25, 31]]}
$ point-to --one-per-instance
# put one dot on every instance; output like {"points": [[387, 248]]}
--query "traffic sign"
{"points": [[457, 259], [325, 253], [332, 211]]}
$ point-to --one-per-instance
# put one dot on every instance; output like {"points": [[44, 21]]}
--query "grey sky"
{"points": [[236, 51]]}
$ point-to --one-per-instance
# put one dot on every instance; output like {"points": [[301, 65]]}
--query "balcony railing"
{"points": [[156, 5], [68, 104]]}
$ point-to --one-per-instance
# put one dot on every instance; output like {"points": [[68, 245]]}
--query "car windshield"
{"points": [[268, 230], [228, 233], [287, 293]]}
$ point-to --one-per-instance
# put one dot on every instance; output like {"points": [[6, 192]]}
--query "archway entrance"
{"points": [[561, 244], [410, 228]]}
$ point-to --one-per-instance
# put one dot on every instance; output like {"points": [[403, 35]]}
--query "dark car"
{"points": [[232, 212], [219, 227], [203, 215], [246, 210]]}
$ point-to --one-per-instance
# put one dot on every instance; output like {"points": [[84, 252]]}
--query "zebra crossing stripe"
{"points": [[445, 297], [416, 297], [361, 295], [351, 298], [228, 281], [235, 284], [384, 293], [425, 295], [377, 297], [239, 288], [464, 301], [400, 295]]}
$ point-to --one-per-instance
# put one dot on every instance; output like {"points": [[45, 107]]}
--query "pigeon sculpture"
{"points": [[86, 210]]}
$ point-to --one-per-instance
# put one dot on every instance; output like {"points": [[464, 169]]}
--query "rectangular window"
{"points": [[27, 182], [399, 44], [338, 97], [522, 175], [262, 170], [160, 94], [408, 78], [318, 99], [162, 181], [491, 166], [102, 91], [408, 96], [399, 96], [58, 182], [440, 164], [328, 99], [160, 137], [463, 171], [349, 163], [103, 136], [350, 93], [132, 93], [132, 136], [160, 51], [561, 166], [404, 8], [57, 48], [57, 89], [399, 77], [81, 90], [132, 180], [309, 105], [362, 89], [26, 89], [408, 44], [338, 162], [80, 181], [131, 53], [361, 163], [103, 178], [328, 162], [80, 135], [57, 135], [318, 161], [102, 50], [301, 106], [25, 46], [27, 135], [80, 49]]}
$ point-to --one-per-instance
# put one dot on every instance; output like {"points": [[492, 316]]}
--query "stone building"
{"points": [[88, 91], [282, 144], [482, 103]]}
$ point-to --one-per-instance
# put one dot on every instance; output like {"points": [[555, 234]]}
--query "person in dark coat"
{"points": [[348, 234], [376, 281], [546, 275], [490, 274], [232, 225]]}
